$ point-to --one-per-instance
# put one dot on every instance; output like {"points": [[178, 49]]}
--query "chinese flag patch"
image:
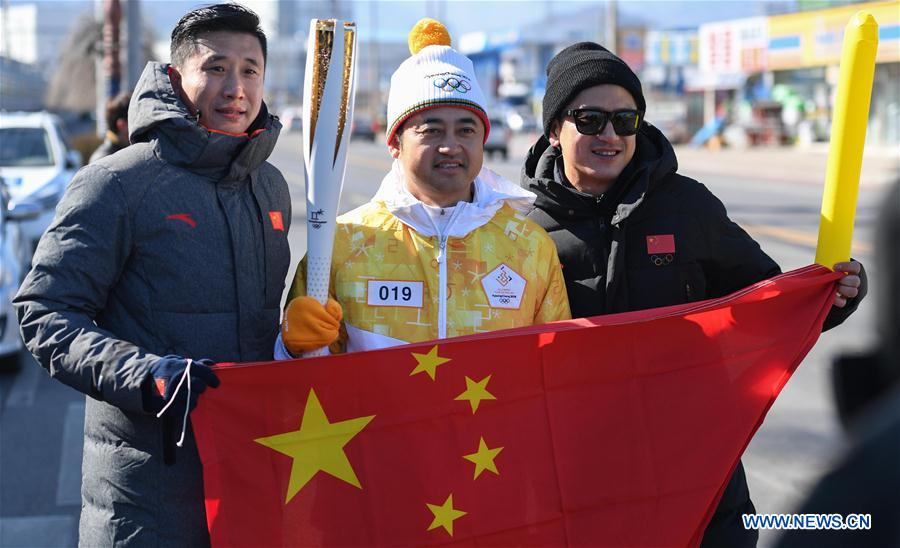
{"points": [[275, 217], [660, 243], [161, 387]]}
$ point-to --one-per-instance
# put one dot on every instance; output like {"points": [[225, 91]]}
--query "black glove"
{"points": [[164, 377]]}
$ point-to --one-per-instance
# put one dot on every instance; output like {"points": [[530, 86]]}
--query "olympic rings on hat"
{"points": [[451, 84]]}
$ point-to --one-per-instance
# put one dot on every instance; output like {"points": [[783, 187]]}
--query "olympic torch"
{"points": [[328, 92]]}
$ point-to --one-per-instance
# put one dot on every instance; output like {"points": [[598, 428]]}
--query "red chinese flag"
{"points": [[277, 222], [618, 430], [660, 243]]}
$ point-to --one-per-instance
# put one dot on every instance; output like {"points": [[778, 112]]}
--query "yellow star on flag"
{"points": [[484, 458], [444, 515], [317, 445], [428, 362], [475, 392]]}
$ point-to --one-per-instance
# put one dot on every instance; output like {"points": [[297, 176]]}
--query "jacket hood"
{"points": [[157, 113], [491, 192], [654, 160]]}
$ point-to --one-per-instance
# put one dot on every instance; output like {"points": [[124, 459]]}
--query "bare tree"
{"points": [[74, 82], [73, 87]]}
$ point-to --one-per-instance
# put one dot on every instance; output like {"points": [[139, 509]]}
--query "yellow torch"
{"points": [[328, 92], [848, 135]]}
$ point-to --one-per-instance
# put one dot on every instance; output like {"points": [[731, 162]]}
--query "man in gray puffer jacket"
{"points": [[172, 250]]}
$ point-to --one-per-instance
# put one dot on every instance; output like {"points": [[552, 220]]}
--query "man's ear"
{"points": [[394, 146], [554, 134], [175, 78]]}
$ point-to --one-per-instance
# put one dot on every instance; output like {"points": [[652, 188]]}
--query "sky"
{"points": [[392, 19]]}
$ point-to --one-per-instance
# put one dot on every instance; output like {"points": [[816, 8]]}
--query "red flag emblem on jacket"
{"points": [[277, 223], [660, 243], [510, 438]]}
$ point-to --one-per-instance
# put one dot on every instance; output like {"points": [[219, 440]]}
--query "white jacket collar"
{"points": [[491, 192]]}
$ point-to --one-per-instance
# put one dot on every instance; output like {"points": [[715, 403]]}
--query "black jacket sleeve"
{"points": [[77, 262], [734, 260]]}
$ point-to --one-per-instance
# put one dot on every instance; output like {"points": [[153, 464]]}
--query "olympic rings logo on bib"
{"points": [[452, 84]]}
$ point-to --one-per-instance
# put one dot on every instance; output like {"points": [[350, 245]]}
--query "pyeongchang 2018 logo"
{"points": [[504, 288], [451, 82], [315, 218]]}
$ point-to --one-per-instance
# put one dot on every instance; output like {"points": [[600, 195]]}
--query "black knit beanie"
{"points": [[581, 66]]}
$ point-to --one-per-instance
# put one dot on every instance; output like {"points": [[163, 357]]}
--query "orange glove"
{"points": [[308, 325]]}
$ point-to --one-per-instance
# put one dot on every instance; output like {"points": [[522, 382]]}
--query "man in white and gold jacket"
{"points": [[443, 248]]}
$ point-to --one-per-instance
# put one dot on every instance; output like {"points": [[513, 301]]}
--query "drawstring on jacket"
{"points": [[187, 405]]}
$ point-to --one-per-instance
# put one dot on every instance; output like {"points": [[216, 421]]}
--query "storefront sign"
{"points": [[672, 48], [815, 38], [735, 47]]}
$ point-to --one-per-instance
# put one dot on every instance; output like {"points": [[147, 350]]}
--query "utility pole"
{"points": [[4, 17], [610, 27], [135, 52], [112, 18], [375, 77], [108, 67], [99, 77]]}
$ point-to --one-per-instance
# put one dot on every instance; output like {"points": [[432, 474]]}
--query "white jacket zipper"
{"points": [[442, 288], [442, 271]]}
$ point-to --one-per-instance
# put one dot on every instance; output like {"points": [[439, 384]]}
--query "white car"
{"points": [[15, 259], [36, 163], [498, 139], [291, 118]]}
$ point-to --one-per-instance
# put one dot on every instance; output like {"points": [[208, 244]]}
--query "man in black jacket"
{"points": [[633, 234], [167, 253]]}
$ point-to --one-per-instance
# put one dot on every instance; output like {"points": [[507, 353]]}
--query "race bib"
{"points": [[395, 293]]}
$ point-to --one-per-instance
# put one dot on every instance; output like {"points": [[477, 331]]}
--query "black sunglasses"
{"points": [[592, 121]]}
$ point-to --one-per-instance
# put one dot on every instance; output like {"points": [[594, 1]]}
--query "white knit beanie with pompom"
{"points": [[436, 75]]}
